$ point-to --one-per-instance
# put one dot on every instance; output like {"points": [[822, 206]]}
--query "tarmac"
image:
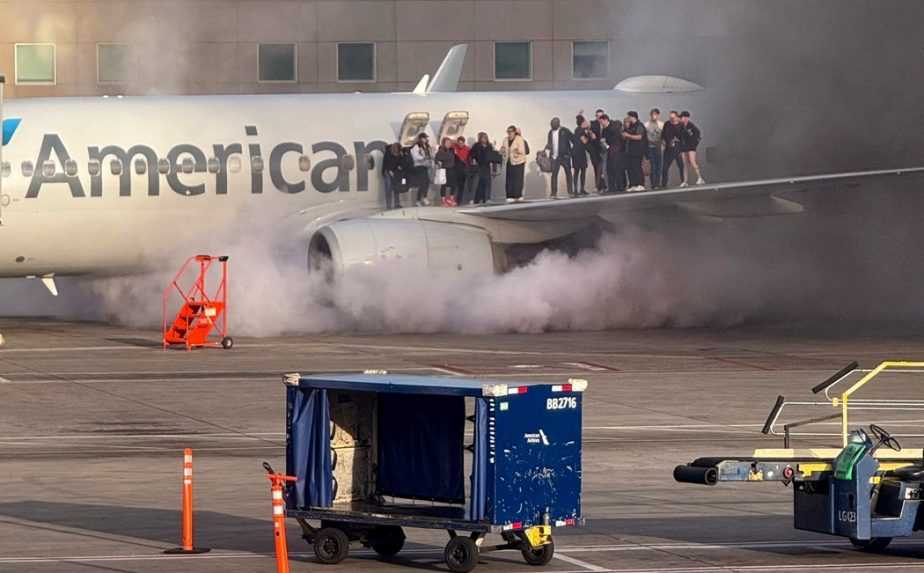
{"points": [[93, 420]]}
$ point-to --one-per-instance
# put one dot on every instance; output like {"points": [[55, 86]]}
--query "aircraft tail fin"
{"points": [[421, 88], [447, 76]]}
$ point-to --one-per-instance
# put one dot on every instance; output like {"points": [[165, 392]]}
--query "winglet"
{"points": [[421, 88], [446, 78]]}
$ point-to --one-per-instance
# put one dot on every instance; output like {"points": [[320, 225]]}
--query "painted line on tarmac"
{"points": [[578, 563]]}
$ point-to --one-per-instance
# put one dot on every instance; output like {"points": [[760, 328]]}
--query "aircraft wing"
{"points": [[724, 200]]}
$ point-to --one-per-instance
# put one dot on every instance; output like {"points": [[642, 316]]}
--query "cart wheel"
{"points": [[331, 545], [461, 554], [540, 555], [873, 545], [387, 540], [227, 343]]}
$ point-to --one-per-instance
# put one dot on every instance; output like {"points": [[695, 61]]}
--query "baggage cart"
{"points": [[376, 453]]}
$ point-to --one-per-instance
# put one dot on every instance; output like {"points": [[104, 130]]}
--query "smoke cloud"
{"points": [[849, 259]]}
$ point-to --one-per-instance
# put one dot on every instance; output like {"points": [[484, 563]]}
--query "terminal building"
{"points": [[132, 47]]}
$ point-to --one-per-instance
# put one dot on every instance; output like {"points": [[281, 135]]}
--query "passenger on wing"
{"points": [[396, 167], [558, 145], [422, 156], [482, 156], [672, 154], [514, 154], [598, 152], [579, 153], [463, 175], [690, 137], [615, 165], [636, 144], [445, 165], [654, 127]]}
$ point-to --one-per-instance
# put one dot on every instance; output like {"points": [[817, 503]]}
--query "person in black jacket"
{"points": [[579, 154], [445, 159], [635, 136], [558, 145], [615, 157], [396, 167], [481, 157], [670, 135], [597, 152], [690, 137]]}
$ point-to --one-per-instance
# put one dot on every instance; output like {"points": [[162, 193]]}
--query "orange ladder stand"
{"points": [[203, 318]]}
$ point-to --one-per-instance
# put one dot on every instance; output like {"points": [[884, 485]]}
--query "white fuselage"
{"points": [[74, 219]]}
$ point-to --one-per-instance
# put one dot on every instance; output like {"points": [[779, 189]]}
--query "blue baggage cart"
{"points": [[375, 453]]}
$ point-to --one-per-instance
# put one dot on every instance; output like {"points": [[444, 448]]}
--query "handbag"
{"points": [[544, 161], [439, 178]]}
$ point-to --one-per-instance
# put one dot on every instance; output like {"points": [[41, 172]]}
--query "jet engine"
{"points": [[415, 244]]}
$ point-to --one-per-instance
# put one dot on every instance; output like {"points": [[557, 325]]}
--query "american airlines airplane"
{"points": [[103, 186]]}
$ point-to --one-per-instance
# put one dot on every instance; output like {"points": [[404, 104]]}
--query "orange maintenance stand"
{"points": [[203, 318]]}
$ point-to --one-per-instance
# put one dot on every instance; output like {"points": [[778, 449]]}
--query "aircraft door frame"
{"points": [[413, 125]]}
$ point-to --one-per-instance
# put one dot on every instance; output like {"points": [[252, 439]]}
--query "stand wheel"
{"points": [[227, 343], [540, 555], [461, 554], [386, 540], [873, 545], [331, 545]]}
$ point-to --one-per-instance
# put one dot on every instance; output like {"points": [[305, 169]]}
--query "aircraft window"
{"points": [[93, 167], [27, 169], [163, 166], [234, 165], [70, 167], [141, 166], [256, 163], [7, 169], [214, 165], [304, 163], [115, 167], [48, 169], [188, 165]]}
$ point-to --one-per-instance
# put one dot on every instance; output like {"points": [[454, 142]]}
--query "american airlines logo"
{"points": [[186, 168], [9, 128]]}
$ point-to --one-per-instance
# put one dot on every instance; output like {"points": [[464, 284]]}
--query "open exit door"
{"points": [[414, 124], [453, 125]]}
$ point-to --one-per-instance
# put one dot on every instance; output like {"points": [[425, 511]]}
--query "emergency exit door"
{"points": [[453, 125], [413, 125]]}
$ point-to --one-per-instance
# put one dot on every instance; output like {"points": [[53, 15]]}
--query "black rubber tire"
{"points": [[540, 556], [873, 545], [227, 343], [461, 554], [331, 545], [387, 540]]}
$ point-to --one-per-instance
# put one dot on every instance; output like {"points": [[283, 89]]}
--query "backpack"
{"points": [[525, 145]]}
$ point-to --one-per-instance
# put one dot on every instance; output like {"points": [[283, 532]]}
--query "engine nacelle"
{"points": [[422, 245]]}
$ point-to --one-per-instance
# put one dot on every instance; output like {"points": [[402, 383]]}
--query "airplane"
{"points": [[109, 186]]}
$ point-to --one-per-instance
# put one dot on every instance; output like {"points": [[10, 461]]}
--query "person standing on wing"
{"points": [[690, 136], [514, 154], [558, 145]]}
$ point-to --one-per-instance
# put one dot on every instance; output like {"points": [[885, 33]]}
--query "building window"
{"points": [[356, 62], [512, 61], [112, 63], [589, 60], [278, 63], [35, 64]]}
